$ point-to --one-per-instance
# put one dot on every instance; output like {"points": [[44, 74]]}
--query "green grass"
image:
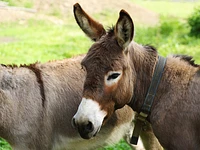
{"points": [[119, 146], [4, 145], [180, 9], [41, 41], [170, 37], [20, 3]]}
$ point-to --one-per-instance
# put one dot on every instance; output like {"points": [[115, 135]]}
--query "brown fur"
{"points": [[175, 112], [38, 101]]}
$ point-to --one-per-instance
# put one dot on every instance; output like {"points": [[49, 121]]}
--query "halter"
{"points": [[146, 107]]}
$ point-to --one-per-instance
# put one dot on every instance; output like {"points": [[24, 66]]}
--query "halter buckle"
{"points": [[140, 123], [142, 116]]}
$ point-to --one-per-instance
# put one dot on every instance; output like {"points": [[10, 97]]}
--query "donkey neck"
{"points": [[177, 71], [143, 62]]}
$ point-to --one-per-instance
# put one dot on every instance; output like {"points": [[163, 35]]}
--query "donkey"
{"points": [[38, 101], [119, 72]]}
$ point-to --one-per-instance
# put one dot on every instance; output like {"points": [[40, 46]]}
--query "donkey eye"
{"points": [[113, 76]]}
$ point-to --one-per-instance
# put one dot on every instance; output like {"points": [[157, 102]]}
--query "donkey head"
{"points": [[109, 80]]}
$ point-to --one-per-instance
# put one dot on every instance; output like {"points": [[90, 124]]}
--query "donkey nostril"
{"points": [[89, 127], [73, 123]]}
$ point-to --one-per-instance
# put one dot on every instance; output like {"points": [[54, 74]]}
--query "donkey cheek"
{"points": [[124, 96], [109, 89]]}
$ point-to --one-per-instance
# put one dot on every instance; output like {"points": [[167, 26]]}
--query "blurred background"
{"points": [[43, 30]]}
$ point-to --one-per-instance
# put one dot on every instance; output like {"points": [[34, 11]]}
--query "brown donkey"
{"points": [[119, 72], [37, 103]]}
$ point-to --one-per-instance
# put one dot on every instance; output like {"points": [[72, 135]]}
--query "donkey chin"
{"points": [[89, 118]]}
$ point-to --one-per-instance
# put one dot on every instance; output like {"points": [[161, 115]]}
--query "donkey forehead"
{"points": [[102, 63], [104, 54]]}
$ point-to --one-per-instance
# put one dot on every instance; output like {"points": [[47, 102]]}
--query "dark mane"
{"points": [[110, 30], [10, 65], [150, 48], [188, 59], [18, 66]]}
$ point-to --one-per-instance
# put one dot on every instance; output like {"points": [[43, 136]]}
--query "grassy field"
{"points": [[179, 8], [39, 40]]}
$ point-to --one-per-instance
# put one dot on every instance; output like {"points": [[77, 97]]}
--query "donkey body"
{"points": [[119, 72], [38, 101]]}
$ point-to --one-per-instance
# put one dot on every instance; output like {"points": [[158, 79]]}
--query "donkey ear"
{"points": [[124, 29], [90, 27]]}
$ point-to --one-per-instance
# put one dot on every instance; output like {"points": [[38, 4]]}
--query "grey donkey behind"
{"points": [[38, 101]]}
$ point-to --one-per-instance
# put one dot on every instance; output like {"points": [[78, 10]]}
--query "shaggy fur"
{"points": [[38, 101], [175, 115]]}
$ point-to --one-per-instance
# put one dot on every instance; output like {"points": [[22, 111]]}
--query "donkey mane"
{"points": [[18, 66], [10, 65], [111, 29], [188, 59], [150, 48]]}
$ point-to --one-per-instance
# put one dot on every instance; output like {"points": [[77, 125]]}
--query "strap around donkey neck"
{"points": [[146, 107]]}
